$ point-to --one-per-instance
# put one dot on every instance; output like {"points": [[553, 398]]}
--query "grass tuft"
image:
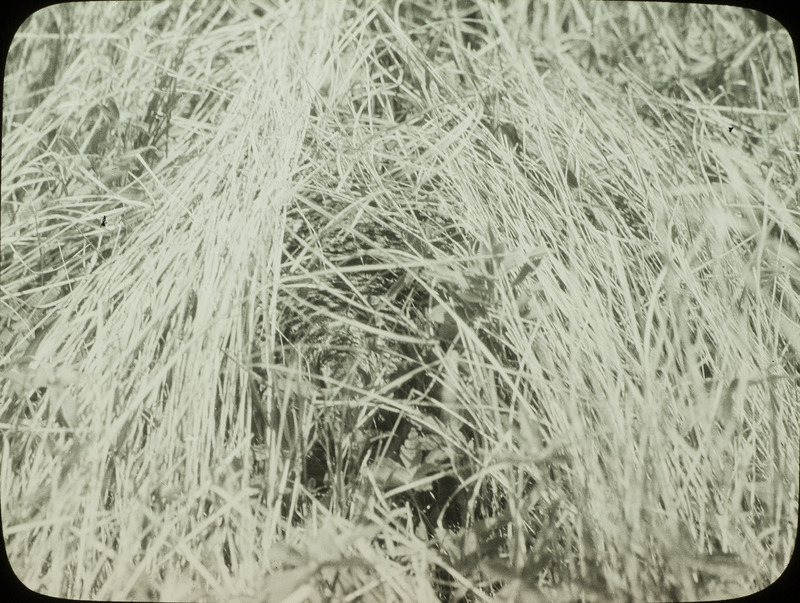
{"points": [[426, 301]]}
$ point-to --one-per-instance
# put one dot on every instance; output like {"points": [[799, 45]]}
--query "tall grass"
{"points": [[610, 333]]}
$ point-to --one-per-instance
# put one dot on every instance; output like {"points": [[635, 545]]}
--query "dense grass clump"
{"points": [[405, 301]]}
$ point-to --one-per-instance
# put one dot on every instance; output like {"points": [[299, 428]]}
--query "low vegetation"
{"points": [[610, 320]]}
